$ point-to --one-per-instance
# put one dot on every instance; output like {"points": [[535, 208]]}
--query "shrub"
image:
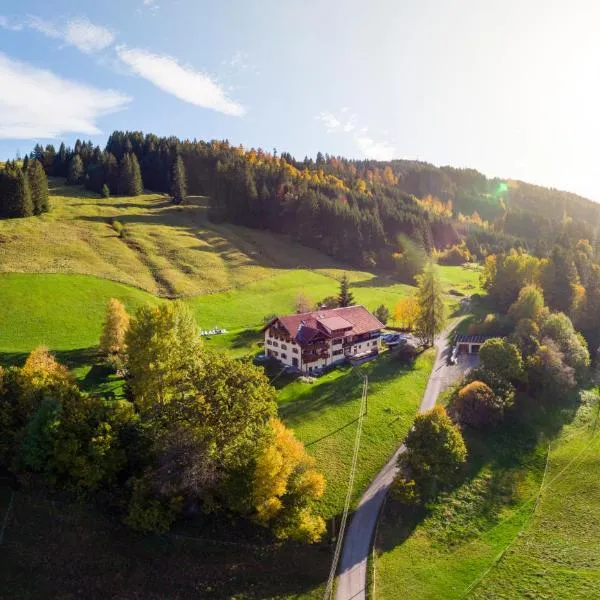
{"points": [[105, 191], [478, 406], [119, 228], [435, 450], [502, 358]]}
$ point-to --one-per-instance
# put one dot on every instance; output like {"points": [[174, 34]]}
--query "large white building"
{"points": [[314, 340]]}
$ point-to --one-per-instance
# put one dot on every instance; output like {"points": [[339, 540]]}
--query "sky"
{"points": [[509, 87]]}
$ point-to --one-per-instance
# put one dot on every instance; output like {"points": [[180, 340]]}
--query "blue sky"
{"points": [[508, 87]]}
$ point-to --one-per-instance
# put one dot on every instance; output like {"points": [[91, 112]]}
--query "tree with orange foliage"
{"points": [[406, 312], [285, 484]]}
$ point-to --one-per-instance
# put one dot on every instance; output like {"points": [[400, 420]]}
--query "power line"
{"points": [[338, 547]]}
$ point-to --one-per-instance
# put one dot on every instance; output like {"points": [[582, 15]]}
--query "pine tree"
{"points": [[345, 297], [178, 181], [76, 170], [60, 162], [138, 185], [111, 172], [130, 176], [15, 196], [25, 163], [431, 318], [38, 184]]}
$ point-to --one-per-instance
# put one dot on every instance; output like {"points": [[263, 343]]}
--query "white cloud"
{"points": [[6, 24], [36, 103], [375, 150], [181, 81], [79, 32], [88, 37], [347, 122]]}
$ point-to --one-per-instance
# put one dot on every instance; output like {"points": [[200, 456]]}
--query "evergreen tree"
{"points": [[345, 296], [178, 181], [15, 195], [130, 176], [60, 162], [38, 184], [105, 191], [49, 158], [76, 171], [25, 163], [111, 172], [431, 319]]}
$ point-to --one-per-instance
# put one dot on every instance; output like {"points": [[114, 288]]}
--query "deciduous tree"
{"points": [[431, 317]]}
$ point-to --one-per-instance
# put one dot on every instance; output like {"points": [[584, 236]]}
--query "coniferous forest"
{"points": [[364, 212]]}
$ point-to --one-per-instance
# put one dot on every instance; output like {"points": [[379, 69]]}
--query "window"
{"points": [[295, 350], [283, 347], [375, 343], [269, 342], [275, 344], [274, 353], [338, 341], [283, 355], [269, 353], [337, 352]]}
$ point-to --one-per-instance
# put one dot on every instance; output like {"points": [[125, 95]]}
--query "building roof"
{"points": [[355, 320], [473, 339]]}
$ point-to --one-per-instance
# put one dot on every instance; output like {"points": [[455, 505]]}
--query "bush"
{"points": [[105, 191], [456, 255], [478, 406], [435, 450], [119, 228], [502, 358]]}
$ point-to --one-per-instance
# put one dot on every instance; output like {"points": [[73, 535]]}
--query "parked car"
{"points": [[394, 339]]}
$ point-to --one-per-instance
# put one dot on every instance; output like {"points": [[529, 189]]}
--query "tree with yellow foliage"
{"points": [[406, 312], [116, 324], [284, 486]]}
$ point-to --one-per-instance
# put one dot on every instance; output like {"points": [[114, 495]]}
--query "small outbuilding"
{"points": [[470, 344]]}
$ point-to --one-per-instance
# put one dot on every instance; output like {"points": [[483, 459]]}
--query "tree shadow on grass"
{"points": [[499, 461]]}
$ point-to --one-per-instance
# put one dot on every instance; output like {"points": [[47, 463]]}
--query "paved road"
{"points": [[352, 578]]}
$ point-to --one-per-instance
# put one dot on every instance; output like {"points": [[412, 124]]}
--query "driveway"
{"points": [[352, 579]]}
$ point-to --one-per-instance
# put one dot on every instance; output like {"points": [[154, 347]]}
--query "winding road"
{"points": [[352, 578]]}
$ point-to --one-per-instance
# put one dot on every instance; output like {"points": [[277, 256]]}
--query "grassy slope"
{"points": [[324, 417], [558, 555], [451, 549]]}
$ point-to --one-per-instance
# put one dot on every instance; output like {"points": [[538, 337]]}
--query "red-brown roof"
{"points": [[357, 317]]}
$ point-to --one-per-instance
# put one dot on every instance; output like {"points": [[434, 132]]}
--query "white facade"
{"points": [[289, 353]]}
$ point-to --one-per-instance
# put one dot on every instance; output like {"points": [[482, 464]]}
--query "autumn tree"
{"points": [[165, 355], [116, 323], [529, 305], [431, 316], [285, 485], [406, 312], [345, 296], [478, 406]]}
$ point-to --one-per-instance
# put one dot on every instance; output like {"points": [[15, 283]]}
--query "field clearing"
{"points": [[324, 416], [449, 552], [558, 554]]}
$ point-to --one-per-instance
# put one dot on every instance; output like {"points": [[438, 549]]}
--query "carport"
{"points": [[470, 344]]}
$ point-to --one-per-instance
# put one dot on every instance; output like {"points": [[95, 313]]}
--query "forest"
{"points": [[364, 212]]}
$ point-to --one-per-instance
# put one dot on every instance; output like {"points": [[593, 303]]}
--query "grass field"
{"points": [[445, 554], [558, 554], [324, 416]]}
